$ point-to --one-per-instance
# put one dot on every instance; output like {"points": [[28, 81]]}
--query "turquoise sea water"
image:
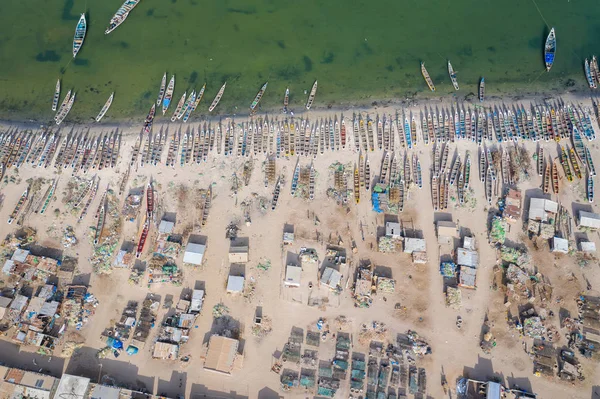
{"points": [[359, 50]]}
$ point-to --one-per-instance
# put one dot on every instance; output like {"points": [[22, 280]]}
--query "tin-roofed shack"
{"points": [[447, 231], [512, 209], [542, 210], [589, 220], [221, 354]]}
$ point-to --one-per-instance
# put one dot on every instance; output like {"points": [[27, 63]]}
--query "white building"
{"points": [[292, 276], [194, 254]]}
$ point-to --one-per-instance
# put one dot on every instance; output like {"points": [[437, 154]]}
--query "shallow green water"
{"points": [[359, 50]]}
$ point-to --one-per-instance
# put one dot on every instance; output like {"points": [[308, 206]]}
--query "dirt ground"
{"points": [[419, 288]]}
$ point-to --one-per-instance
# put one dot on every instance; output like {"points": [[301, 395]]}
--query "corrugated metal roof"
{"points": [[560, 245], [235, 284], [292, 275], [589, 219], [194, 253], [221, 354], [414, 245], [466, 257]]}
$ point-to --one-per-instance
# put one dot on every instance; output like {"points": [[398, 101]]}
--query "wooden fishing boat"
{"points": [[590, 162], [424, 129], [188, 107], [311, 96], [594, 70], [215, 102], [505, 166], [48, 197], [311, 182], [407, 133], [444, 162], [19, 205], [588, 75], [467, 174], [461, 187], [385, 164], [427, 77], [357, 184], [401, 196], [259, 95], [79, 37], [370, 134], [343, 132], [121, 15], [446, 193], [65, 111], [550, 49], [161, 91], [434, 193], [295, 178], [590, 188], [547, 177], [363, 133], [488, 185], [565, 163], [555, 177], [452, 76], [367, 173], [418, 172], [574, 163], [286, 100], [436, 159], [63, 105], [413, 131], [540, 161], [168, 95], [207, 202], [454, 171], [276, 194], [105, 107], [142, 240], [178, 113], [90, 199], [481, 89], [101, 213], [150, 200], [56, 97], [194, 104], [149, 119], [578, 145], [407, 174], [442, 192]]}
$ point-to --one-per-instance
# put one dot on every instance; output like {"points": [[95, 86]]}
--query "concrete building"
{"points": [[194, 254], [235, 284], [589, 220], [541, 209], [393, 230], [292, 276]]}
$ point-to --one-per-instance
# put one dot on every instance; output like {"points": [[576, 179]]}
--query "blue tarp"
{"points": [[132, 350], [375, 200]]}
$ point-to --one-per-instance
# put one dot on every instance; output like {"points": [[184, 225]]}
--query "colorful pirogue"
{"points": [[121, 15], [80, 30], [550, 49], [427, 77]]}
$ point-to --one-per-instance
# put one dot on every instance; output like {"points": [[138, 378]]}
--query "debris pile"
{"points": [[498, 230], [519, 257], [69, 238], [220, 310], [389, 244], [375, 331], [453, 298]]}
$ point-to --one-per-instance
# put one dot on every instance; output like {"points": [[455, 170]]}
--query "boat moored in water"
{"points": [[481, 89], [217, 98], [168, 95], [427, 77], [311, 96], [56, 97], [452, 76], [79, 37], [161, 91], [121, 15], [105, 107], [550, 49], [259, 95]]}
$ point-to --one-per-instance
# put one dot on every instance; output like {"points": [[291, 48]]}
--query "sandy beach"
{"points": [[418, 302]]}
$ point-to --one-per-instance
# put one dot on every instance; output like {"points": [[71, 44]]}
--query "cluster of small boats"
{"points": [[65, 106], [592, 73], [79, 151], [499, 123]]}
